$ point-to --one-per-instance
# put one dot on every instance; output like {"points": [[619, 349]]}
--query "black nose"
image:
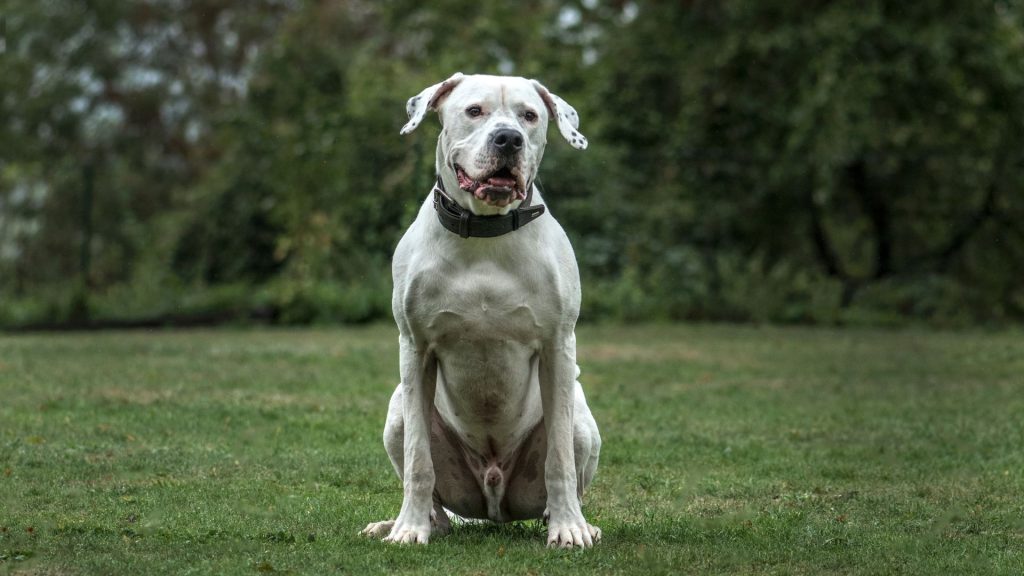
{"points": [[507, 140]]}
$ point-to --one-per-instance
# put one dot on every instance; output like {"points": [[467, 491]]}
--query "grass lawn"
{"points": [[727, 450]]}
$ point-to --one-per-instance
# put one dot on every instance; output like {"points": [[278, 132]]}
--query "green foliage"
{"points": [[726, 451], [106, 114], [758, 161], [864, 143]]}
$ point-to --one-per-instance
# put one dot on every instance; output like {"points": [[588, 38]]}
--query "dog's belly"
{"points": [[499, 489], [487, 390], [488, 401]]}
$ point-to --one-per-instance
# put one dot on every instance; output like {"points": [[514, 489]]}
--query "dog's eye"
{"points": [[474, 111], [530, 116]]}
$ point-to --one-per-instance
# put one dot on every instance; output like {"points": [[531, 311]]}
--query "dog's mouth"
{"points": [[499, 188]]}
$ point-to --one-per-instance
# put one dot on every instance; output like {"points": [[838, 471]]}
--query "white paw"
{"points": [[408, 533], [572, 533], [378, 529]]}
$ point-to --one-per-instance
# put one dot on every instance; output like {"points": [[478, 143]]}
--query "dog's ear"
{"points": [[564, 115], [418, 105]]}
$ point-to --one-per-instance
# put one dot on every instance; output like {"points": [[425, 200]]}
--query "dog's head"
{"points": [[494, 129]]}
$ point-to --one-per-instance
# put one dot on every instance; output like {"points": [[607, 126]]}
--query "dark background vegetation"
{"points": [[768, 160]]}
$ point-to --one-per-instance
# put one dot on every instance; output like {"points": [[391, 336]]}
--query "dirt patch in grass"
{"points": [[135, 396]]}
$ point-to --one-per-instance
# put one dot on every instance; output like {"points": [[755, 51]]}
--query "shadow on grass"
{"points": [[664, 531], [477, 531]]}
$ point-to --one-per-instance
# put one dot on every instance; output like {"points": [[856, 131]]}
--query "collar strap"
{"points": [[460, 221]]}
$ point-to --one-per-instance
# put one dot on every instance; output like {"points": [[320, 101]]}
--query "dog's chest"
{"points": [[487, 301], [485, 322]]}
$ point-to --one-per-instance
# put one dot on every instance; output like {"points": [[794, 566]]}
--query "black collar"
{"points": [[460, 221]]}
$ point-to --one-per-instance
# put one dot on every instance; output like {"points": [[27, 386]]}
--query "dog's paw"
{"points": [[378, 529], [572, 534], [408, 533]]}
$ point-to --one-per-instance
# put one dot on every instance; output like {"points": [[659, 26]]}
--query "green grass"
{"points": [[730, 450]]}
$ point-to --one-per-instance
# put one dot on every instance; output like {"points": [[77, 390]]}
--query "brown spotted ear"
{"points": [[418, 105], [564, 115]]}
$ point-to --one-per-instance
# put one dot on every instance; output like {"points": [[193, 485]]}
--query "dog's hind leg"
{"points": [[440, 525], [526, 494], [586, 442], [456, 487], [394, 439]]}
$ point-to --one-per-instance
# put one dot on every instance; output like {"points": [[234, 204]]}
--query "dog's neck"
{"points": [[457, 219]]}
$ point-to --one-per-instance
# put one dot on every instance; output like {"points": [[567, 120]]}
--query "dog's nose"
{"points": [[507, 140]]}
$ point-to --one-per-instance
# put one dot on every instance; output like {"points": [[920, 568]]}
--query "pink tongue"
{"points": [[501, 182]]}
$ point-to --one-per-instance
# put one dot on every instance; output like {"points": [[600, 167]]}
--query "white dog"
{"points": [[489, 420]]}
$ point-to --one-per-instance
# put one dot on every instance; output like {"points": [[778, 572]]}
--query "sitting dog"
{"points": [[489, 420]]}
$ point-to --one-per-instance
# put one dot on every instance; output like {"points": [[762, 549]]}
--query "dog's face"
{"points": [[493, 139], [493, 136]]}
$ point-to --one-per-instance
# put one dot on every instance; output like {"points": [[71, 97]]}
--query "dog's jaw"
{"points": [[499, 188], [479, 206]]}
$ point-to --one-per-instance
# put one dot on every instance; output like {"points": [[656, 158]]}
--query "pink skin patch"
{"points": [[493, 476], [499, 189]]}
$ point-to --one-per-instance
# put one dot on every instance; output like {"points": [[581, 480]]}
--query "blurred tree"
{"points": [[869, 142], [106, 116]]}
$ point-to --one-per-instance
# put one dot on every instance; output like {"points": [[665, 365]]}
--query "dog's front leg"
{"points": [[557, 375], [419, 379]]}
